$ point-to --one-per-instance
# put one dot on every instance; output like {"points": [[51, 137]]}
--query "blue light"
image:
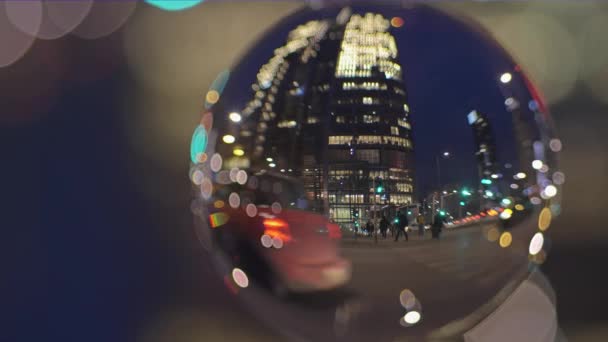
{"points": [[198, 144], [218, 85], [174, 5], [220, 81]]}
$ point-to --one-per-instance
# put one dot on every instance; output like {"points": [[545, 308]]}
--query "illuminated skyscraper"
{"points": [[330, 107], [485, 151]]}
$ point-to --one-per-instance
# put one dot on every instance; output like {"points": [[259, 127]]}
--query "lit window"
{"points": [[403, 123], [340, 119], [313, 120], [368, 100], [285, 124], [406, 108], [371, 118], [394, 130]]}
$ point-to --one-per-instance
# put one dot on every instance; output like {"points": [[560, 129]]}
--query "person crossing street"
{"points": [[420, 222], [401, 224]]}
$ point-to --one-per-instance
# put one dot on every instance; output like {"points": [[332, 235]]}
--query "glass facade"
{"points": [[331, 106]]}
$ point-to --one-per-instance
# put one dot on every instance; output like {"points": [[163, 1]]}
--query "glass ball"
{"points": [[375, 173]]}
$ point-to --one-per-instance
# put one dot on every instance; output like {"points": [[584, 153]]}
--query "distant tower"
{"points": [[485, 151]]}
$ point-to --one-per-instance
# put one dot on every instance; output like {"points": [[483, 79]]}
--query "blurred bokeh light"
{"points": [[104, 18], [174, 5]]}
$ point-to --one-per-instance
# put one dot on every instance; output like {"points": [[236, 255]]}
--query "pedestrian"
{"points": [[401, 225], [420, 222], [370, 227], [437, 225], [383, 226]]}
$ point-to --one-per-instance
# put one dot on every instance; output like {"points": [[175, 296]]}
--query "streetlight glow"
{"points": [[537, 164], [536, 244], [550, 191], [235, 117], [506, 77], [239, 152], [228, 139], [412, 317]]}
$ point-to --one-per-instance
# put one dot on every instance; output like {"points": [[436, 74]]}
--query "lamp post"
{"points": [[444, 155]]}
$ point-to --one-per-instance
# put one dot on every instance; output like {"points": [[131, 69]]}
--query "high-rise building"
{"points": [[330, 107], [485, 151]]}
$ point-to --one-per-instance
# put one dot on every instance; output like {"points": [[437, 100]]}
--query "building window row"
{"points": [[312, 120], [287, 124], [401, 199], [404, 124], [371, 118], [366, 100], [404, 187], [364, 86], [370, 140]]}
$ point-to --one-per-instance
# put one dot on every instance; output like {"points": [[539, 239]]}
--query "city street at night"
{"points": [[450, 277], [199, 170]]}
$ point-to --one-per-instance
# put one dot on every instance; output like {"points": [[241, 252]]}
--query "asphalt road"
{"points": [[451, 279]]}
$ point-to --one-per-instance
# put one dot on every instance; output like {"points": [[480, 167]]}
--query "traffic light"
{"points": [[462, 203], [486, 181], [355, 213], [466, 193], [379, 187]]}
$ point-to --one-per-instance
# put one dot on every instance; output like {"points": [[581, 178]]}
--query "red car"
{"points": [[276, 240]]}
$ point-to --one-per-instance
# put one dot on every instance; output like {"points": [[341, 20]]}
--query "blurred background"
{"points": [[99, 100]]}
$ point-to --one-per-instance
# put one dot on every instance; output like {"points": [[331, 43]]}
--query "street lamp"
{"points": [[506, 78], [443, 155]]}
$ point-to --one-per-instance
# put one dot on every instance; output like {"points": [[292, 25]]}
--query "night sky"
{"points": [[449, 70]]}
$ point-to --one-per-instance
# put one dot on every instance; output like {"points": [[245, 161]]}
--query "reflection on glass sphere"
{"points": [[370, 173]]}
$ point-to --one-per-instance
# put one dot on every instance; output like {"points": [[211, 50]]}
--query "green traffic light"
{"points": [[486, 181], [466, 192], [462, 203], [379, 189]]}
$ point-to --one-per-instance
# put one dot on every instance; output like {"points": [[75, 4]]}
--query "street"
{"points": [[451, 278]]}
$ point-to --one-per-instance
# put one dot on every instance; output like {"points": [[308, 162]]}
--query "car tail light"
{"points": [[334, 231], [277, 228]]}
